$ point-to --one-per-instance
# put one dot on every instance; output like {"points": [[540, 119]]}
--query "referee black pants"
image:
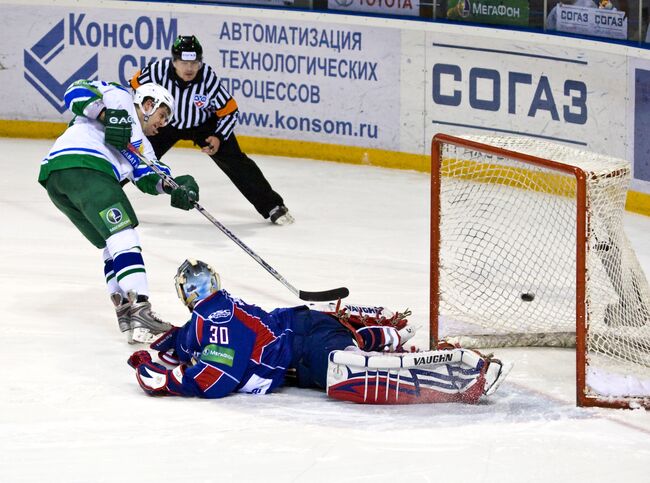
{"points": [[242, 170]]}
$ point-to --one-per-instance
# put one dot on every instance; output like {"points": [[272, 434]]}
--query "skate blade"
{"points": [[285, 220]]}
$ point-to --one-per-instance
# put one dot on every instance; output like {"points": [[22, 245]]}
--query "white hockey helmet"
{"points": [[158, 94], [195, 280]]}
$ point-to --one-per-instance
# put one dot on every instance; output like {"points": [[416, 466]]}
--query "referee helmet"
{"points": [[187, 47]]}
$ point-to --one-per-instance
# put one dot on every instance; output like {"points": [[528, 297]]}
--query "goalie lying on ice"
{"points": [[354, 352]]}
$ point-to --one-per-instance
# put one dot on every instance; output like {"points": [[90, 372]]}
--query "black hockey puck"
{"points": [[527, 296]]}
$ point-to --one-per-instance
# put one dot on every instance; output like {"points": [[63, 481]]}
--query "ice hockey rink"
{"points": [[72, 411]]}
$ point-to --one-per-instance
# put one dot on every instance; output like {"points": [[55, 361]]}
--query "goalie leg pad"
{"points": [[495, 374], [454, 375]]}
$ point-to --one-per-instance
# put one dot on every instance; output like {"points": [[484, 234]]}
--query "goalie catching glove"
{"points": [[185, 195], [444, 375], [374, 328], [381, 338]]}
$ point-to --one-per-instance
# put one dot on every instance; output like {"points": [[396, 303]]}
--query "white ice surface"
{"points": [[71, 410]]}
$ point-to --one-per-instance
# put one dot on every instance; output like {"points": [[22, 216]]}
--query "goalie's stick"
{"points": [[325, 295]]}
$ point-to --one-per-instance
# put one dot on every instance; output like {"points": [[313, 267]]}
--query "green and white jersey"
{"points": [[82, 144]]}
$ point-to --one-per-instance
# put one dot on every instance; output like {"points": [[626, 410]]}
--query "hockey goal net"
{"points": [[528, 249]]}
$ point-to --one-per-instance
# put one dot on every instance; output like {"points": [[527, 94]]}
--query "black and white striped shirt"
{"points": [[195, 101]]}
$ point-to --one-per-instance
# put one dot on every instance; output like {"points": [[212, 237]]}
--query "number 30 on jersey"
{"points": [[219, 335]]}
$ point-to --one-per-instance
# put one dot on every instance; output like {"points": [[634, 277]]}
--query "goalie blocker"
{"points": [[444, 375]]}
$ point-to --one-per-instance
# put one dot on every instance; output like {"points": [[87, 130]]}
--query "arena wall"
{"points": [[344, 88]]}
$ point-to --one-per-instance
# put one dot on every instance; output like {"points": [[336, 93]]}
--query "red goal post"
{"points": [[528, 249]]}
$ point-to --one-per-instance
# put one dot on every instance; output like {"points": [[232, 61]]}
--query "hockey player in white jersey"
{"points": [[84, 172]]}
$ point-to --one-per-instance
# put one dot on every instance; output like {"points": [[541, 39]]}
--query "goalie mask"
{"points": [[195, 280], [159, 95]]}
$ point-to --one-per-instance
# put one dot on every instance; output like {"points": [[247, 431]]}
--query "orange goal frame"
{"points": [[582, 220]]}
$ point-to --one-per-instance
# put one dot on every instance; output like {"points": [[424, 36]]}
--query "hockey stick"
{"points": [[325, 295]]}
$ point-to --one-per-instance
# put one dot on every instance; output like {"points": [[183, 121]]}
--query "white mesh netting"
{"points": [[508, 254]]}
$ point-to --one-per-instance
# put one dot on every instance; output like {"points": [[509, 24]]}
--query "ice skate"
{"points": [[280, 216], [122, 307], [147, 325]]}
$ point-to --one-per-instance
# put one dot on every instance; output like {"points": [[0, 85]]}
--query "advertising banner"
{"points": [[292, 79], [385, 86], [256, 2], [592, 21], [558, 94], [409, 8], [642, 125], [501, 12], [639, 119]]}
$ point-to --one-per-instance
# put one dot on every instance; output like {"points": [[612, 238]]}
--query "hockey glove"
{"points": [[357, 316], [138, 358], [186, 194], [117, 127], [156, 380], [382, 338], [166, 346]]}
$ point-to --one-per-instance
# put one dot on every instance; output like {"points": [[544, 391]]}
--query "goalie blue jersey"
{"points": [[235, 347]]}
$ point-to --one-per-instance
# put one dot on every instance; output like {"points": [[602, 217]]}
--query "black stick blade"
{"points": [[324, 296]]}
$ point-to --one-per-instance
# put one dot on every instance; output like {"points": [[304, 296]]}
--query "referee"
{"points": [[207, 114]]}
